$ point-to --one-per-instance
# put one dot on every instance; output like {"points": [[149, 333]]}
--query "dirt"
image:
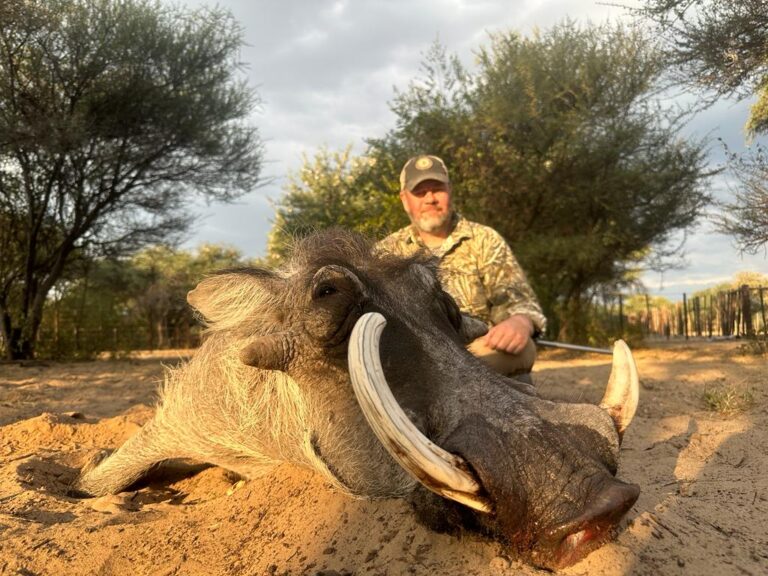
{"points": [[703, 508]]}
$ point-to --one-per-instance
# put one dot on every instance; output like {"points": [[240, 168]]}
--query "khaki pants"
{"points": [[507, 364]]}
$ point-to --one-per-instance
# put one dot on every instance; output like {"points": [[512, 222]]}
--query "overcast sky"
{"points": [[326, 70]]}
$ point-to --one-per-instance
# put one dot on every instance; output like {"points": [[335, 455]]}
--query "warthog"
{"points": [[297, 366]]}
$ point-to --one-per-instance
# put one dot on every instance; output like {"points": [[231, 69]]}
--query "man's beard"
{"points": [[431, 223]]}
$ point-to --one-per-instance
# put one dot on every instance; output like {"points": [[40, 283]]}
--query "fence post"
{"points": [[648, 316], [721, 309], [697, 316], [732, 325], [746, 311]]}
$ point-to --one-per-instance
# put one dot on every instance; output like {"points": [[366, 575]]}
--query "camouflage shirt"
{"points": [[478, 269]]}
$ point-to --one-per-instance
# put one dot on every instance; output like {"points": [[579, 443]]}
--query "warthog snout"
{"points": [[537, 475]]}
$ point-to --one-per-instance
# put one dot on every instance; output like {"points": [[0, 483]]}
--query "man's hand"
{"points": [[511, 335]]}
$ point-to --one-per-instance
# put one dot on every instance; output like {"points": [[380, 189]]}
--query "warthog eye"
{"points": [[324, 290], [333, 279]]}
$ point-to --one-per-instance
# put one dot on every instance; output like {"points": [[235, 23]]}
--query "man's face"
{"points": [[428, 205]]}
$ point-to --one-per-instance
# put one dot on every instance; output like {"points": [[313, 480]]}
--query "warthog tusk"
{"points": [[441, 472], [623, 390]]}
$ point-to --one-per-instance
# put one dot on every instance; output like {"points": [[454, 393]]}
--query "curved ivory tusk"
{"points": [[623, 390], [442, 472]]}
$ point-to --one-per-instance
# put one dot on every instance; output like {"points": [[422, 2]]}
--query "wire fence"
{"points": [[86, 342], [735, 313], [69, 333]]}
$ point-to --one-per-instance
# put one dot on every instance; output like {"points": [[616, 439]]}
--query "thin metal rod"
{"points": [[577, 347]]}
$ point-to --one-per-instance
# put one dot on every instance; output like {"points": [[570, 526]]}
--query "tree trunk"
{"points": [[5, 331], [574, 326], [17, 347]]}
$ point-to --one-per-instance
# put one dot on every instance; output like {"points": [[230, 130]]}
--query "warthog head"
{"points": [[353, 363]]}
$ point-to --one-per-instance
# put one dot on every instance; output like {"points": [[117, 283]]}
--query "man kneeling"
{"points": [[477, 267]]}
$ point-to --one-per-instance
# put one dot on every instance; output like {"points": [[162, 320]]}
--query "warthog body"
{"points": [[271, 384]]}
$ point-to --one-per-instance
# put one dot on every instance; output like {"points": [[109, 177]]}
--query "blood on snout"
{"points": [[573, 540]]}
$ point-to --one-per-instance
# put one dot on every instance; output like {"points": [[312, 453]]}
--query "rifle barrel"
{"points": [[577, 347]]}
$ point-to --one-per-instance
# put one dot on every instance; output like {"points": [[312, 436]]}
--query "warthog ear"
{"points": [[272, 352], [226, 297]]}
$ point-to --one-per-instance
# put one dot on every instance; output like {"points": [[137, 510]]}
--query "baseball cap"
{"points": [[420, 168]]}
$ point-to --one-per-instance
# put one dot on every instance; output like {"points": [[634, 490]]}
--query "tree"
{"points": [[164, 277], [717, 45], [130, 302], [112, 113], [337, 189], [721, 47], [746, 218], [558, 142]]}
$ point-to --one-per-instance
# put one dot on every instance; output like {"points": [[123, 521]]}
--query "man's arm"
{"points": [[515, 310]]}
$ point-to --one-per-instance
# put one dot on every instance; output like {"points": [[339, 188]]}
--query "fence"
{"points": [[67, 333], [82, 342], [734, 313]]}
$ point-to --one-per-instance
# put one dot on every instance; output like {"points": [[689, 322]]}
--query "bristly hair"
{"points": [[349, 249], [239, 296]]}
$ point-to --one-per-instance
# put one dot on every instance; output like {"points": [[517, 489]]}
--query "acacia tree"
{"points": [[337, 189], [718, 45], [128, 302], [558, 142], [164, 276], [746, 218], [112, 113], [721, 46]]}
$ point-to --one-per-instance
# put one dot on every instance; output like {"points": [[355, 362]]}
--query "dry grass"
{"points": [[727, 400], [756, 347]]}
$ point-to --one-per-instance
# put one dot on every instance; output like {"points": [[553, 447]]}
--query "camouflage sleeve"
{"points": [[505, 283], [387, 244]]}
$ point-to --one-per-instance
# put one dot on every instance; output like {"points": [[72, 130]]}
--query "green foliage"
{"points": [[719, 45], [639, 303], [131, 303], [558, 142], [751, 279], [746, 218], [111, 114], [337, 189]]}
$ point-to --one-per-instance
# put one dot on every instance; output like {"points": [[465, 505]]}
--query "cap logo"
{"points": [[423, 163]]}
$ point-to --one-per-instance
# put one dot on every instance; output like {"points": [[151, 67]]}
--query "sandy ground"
{"points": [[703, 507]]}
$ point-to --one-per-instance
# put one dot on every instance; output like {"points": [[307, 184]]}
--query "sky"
{"points": [[326, 70]]}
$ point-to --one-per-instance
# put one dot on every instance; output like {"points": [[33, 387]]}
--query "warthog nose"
{"points": [[572, 541]]}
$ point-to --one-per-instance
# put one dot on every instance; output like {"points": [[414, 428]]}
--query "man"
{"points": [[477, 266]]}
